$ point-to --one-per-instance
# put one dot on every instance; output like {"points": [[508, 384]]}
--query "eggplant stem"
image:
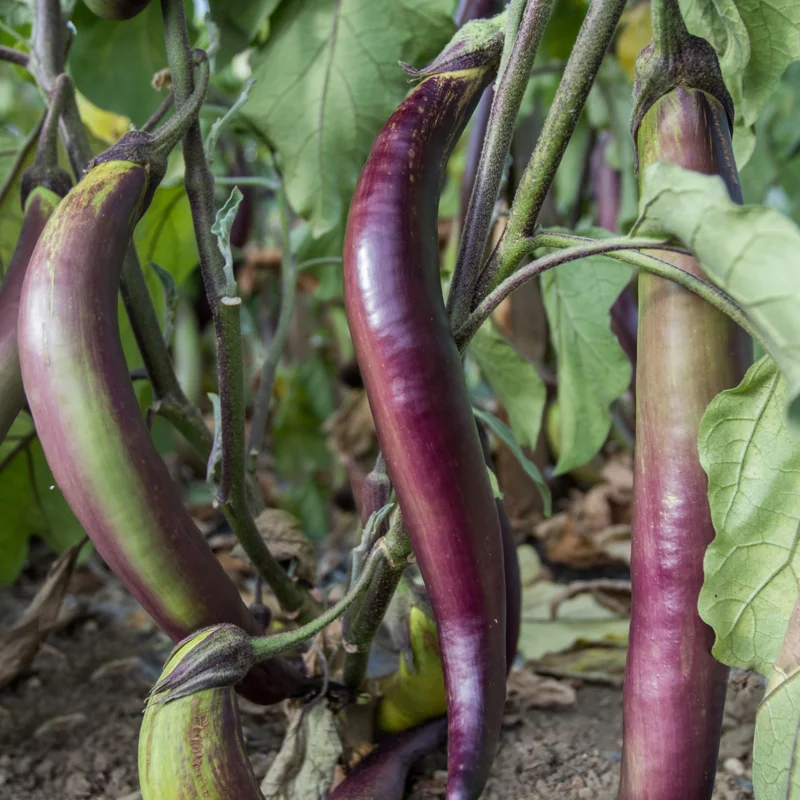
{"points": [[160, 112], [13, 56], [621, 249], [47, 149], [584, 62], [232, 494], [524, 29]]}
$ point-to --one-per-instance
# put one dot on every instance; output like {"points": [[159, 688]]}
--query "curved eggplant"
{"points": [[39, 205], [117, 10], [91, 427], [674, 691], [415, 385]]}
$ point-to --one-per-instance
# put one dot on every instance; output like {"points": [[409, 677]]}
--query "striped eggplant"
{"points": [[91, 428], [415, 385]]}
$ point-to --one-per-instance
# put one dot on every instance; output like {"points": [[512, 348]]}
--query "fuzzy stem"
{"points": [[621, 249], [518, 54], [584, 62], [13, 56], [47, 150], [391, 553], [226, 311]]}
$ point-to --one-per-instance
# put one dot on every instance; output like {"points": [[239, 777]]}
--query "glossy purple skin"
{"points": [[674, 691], [40, 205], [68, 327], [383, 773], [474, 9], [419, 401]]}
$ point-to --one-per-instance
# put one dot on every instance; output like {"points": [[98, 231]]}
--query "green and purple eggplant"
{"points": [[117, 10], [674, 691], [415, 384], [89, 421], [38, 206]]}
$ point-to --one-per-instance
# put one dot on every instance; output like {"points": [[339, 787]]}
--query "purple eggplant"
{"points": [[39, 205], [674, 690], [415, 385], [91, 428]]}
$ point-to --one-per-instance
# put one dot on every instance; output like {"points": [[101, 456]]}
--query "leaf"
{"points": [[222, 230], [755, 40], [215, 457], [752, 459], [504, 433], [170, 290], [104, 125], [776, 747], [515, 382], [238, 21], [32, 503], [751, 252], [636, 31], [593, 370], [327, 79], [113, 63]]}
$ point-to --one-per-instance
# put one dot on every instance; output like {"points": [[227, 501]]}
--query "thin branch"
{"points": [[248, 180], [160, 112], [47, 151], [258, 427], [584, 62], [13, 56], [519, 53], [219, 125], [22, 155], [226, 311]]}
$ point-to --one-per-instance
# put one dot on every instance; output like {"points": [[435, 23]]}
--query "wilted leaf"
{"points": [[304, 767], [327, 79], [593, 370], [526, 690], [19, 646], [755, 41], [593, 663], [752, 459], [514, 380], [351, 429], [751, 252]]}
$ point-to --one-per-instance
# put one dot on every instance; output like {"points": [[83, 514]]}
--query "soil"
{"points": [[69, 724]]}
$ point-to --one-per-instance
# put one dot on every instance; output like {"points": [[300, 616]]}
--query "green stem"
{"points": [[47, 151], [523, 36], [621, 249], [584, 62], [22, 155], [258, 427], [248, 180], [219, 125], [392, 551], [226, 311], [160, 112]]}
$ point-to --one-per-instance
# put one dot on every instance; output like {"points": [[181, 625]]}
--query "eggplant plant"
{"points": [[714, 546]]}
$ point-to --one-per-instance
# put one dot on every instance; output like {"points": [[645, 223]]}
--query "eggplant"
{"points": [[117, 10], [419, 401]]}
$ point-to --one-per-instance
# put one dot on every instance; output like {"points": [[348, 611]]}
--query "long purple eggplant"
{"points": [[39, 205], [674, 689], [91, 427], [419, 400]]}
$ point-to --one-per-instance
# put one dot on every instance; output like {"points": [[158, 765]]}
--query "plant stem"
{"points": [[219, 125], [622, 249], [47, 151], [226, 311], [288, 285], [22, 154], [584, 62], [515, 67], [248, 180], [160, 112], [391, 553], [14, 56], [361, 629]]}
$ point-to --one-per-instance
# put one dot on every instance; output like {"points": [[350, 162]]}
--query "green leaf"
{"points": [[222, 230], [32, 504], [327, 79], [113, 63], [755, 40], [515, 382], [238, 21], [505, 434], [752, 459], [170, 290], [593, 370], [751, 252]]}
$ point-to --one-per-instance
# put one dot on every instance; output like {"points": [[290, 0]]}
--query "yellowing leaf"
{"points": [[636, 30], [104, 125]]}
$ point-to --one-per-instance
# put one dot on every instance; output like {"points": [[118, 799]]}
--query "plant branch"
{"points": [[22, 155], [248, 180], [13, 56], [258, 427], [584, 62], [47, 151], [160, 112], [622, 249], [226, 311], [519, 52], [218, 126]]}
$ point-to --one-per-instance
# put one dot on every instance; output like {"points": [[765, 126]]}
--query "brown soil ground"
{"points": [[69, 724]]}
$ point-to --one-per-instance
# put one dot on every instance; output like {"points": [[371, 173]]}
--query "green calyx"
{"points": [[675, 58], [477, 44]]}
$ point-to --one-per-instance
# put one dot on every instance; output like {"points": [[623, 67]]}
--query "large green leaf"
{"points": [[326, 80], [751, 252], [752, 459], [755, 40], [32, 504], [593, 371], [113, 63], [514, 380], [238, 21]]}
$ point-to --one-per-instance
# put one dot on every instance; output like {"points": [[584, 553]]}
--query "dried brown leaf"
{"points": [[528, 690]]}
